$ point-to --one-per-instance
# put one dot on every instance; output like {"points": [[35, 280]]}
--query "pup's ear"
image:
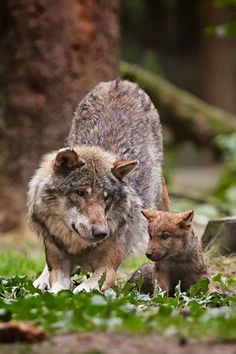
{"points": [[186, 219], [150, 214], [122, 168], [66, 160]]}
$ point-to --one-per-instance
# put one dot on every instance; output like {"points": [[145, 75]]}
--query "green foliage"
{"points": [[194, 314], [14, 263]]}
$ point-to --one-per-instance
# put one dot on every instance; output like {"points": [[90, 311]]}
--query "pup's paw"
{"points": [[86, 287]]}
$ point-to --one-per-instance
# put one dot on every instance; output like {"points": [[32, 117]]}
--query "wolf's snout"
{"points": [[99, 231]]}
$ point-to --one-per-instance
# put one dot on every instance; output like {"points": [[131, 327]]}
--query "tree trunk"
{"points": [[217, 67], [52, 54]]}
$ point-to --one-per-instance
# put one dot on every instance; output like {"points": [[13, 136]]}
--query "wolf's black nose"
{"points": [[99, 231], [148, 254]]}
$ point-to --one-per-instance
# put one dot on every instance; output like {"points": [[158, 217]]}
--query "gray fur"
{"points": [[120, 118]]}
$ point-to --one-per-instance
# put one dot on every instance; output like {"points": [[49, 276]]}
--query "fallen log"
{"points": [[188, 117]]}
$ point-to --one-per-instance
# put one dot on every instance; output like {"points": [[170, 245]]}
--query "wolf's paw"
{"points": [[86, 287], [41, 284], [56, 288]]}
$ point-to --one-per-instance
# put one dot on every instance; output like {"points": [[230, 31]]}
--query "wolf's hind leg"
{"points": [[42, 282]]}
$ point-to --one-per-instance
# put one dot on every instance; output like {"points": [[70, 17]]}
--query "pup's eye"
{"points": [[81, 194], [164, 236]]}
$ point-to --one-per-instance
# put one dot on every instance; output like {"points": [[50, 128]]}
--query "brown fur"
{"points": [[146, 275], [175, 250]]}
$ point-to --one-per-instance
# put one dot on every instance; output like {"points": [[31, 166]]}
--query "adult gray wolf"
{"points": [[84, 201]]}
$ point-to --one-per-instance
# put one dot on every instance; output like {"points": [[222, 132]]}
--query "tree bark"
{"points": [[187, 116], [217, 67], [52, 54]]}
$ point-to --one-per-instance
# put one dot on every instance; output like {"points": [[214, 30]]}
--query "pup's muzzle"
{"points": [[156, 256], [149, 254]]}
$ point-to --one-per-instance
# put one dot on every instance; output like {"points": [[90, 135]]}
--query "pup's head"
{"points": [[168, 233], [74, 191]]}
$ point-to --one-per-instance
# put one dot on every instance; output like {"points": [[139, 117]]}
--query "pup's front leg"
{"points": [[163, 282], [93, 282], [60, 268]]}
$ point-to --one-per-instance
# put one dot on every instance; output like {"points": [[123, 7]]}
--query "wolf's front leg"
{"points": [[110, 257], [93, 282], [60, 267], [42, 282]]}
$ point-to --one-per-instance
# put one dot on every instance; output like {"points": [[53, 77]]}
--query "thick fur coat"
{"points": [[176, 251]]}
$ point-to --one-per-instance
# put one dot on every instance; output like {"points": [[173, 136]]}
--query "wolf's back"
{"points": [[120, 117]]}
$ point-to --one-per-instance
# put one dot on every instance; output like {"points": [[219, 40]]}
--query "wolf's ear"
{"points": [[122, 168], [149, 214], [186, 219], [66, 160]]}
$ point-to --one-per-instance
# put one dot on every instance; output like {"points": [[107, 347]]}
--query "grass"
{"points": [[191, 315], [17, 263]]}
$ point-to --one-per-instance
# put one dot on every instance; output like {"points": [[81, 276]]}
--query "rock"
{"points": [[221, 232]]}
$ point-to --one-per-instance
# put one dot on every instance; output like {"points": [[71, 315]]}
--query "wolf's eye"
{"points": [[81, 194], [106, 196], [164, 236]]}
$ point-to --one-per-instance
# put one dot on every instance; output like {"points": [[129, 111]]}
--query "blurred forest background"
{"points": [[182, 53]]}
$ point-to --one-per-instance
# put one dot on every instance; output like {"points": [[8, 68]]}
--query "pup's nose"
{"points": [[99, 231], [148, 254]]}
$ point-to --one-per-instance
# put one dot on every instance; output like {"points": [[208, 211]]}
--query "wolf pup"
{"points": [[176, 251], [84, 201]]}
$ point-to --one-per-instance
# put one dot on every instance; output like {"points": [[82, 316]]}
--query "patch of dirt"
{"points": [[111, 343]]}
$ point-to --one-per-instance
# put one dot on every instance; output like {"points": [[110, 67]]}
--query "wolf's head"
{"points": [[169, 233], [73, 196]]}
